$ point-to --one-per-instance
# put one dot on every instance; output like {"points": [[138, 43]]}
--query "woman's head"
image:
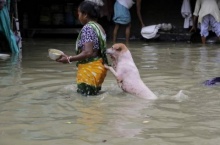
{"points": [[89, 10]]}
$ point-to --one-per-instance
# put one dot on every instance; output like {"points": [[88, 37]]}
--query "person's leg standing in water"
{"points": [[115, 32], [127, 33]]}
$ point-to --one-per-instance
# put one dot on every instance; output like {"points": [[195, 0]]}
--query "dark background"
{"points": [[153, 12]]}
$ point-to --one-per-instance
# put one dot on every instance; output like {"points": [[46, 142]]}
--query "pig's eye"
{"points": [[119, 49]]}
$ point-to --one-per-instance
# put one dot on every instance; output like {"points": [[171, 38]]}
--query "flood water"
{"points": [[39, 104]]}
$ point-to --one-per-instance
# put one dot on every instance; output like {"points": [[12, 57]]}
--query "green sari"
{"points": [[91, 71]]}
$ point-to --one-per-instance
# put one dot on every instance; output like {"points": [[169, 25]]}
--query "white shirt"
{"points": [[205, 7], [127, 3]]}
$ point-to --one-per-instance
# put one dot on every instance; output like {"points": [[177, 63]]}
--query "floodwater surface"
{"points": [[39, 104]]}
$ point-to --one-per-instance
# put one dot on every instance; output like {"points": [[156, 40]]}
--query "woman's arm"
{"points": [[88, 46], [86, 53]]}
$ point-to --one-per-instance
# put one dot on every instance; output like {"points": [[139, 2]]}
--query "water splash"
{"points": [[180, 96]]}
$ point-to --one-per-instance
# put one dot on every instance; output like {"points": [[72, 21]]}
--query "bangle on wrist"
{"points": [[68, 58]]}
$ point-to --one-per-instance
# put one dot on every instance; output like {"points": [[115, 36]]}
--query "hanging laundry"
{"points": [[186, 13]]}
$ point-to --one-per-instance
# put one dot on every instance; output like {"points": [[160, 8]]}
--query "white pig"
{"points": [[126, 72]]}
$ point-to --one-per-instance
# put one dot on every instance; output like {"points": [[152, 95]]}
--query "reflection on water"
{"points": [[39, 103]]}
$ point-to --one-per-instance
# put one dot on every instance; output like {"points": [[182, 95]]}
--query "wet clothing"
{"points": [[212, 81], [91, 71], [209, 20], [209, 15], [90, 77], [121, 11]]}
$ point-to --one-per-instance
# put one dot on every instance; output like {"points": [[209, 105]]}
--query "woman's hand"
{"points": [[63, 58]]}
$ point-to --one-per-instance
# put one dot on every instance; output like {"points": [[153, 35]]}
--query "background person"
{"points": [[208, 14], [122, 16], [90, 50]]}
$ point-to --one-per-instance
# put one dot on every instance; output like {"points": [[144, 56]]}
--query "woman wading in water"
{"points": [[90, 50]]}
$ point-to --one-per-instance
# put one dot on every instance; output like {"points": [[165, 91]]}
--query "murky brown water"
{"points": [[39, 104]]}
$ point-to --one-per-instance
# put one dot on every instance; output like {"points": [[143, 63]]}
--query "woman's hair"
{"points": [[90, 8]]}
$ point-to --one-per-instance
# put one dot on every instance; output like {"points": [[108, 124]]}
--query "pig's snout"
{"points": [[108, 51]]}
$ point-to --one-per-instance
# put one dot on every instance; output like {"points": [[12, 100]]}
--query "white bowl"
{"points": [[4, 56], [54, 54]]}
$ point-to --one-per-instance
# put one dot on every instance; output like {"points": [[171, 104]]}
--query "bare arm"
{"points": [[86, 53], [194, 27], [195, 15], [138, 5]]}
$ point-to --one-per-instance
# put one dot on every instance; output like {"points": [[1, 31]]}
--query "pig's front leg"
{"points": [[111, 69], [119, 80]]}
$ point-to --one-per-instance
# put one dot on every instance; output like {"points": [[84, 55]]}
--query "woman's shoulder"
{"points": [[87, 29], [87, 26], [96, 26]]}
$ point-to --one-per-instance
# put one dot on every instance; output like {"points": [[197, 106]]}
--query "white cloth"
{"points": [[98, 2], [205, 7], [127, 3], [186, 13], [150, 32]]}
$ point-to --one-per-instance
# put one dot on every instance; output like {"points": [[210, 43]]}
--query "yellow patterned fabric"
{"points": [[90, 77]]}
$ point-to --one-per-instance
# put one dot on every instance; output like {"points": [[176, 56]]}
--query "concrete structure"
{"points": [[153, 12]]}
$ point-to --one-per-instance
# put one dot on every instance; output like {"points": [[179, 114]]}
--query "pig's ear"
{"points": [[118, 49]]}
